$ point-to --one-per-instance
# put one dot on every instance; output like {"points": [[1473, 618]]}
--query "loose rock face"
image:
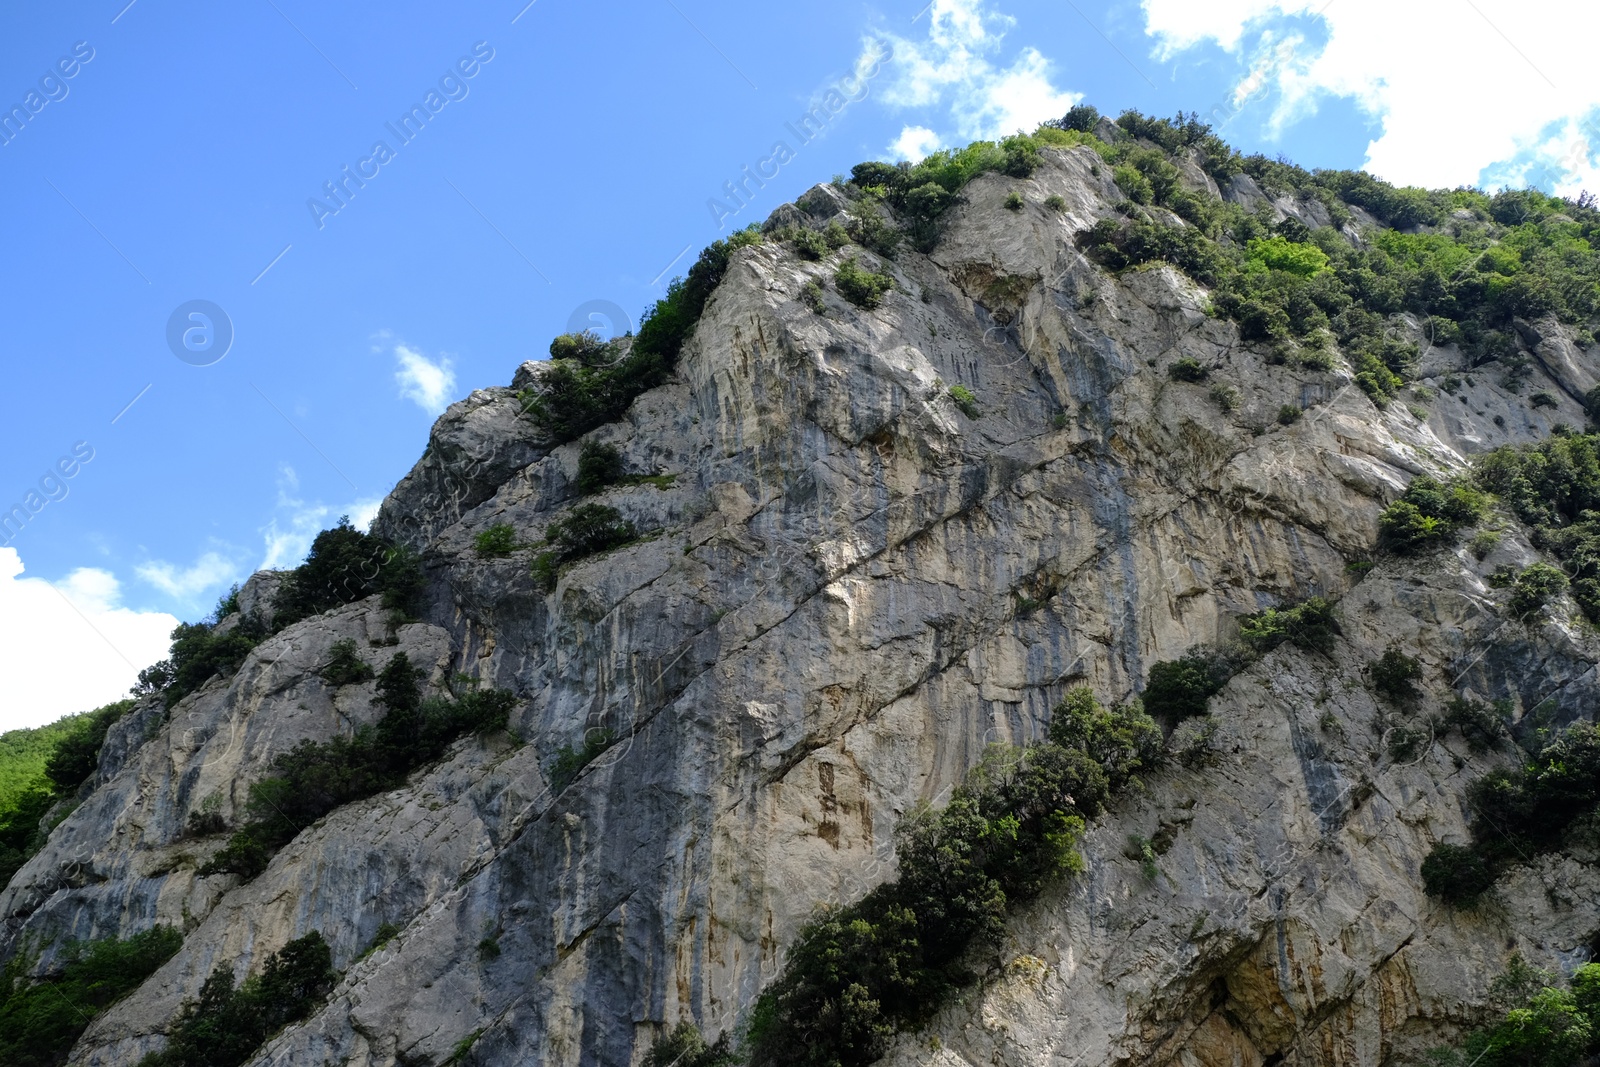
{"points": [[849, 586]]}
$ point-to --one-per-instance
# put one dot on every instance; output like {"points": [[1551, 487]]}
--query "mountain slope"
{"points": [[851, 580]]}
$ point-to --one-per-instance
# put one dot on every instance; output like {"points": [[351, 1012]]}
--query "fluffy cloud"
{"points": [[212, 571], [69, 646], [427, 383], [289, 534], [957, 69], [1464, 95], [914, 143]]}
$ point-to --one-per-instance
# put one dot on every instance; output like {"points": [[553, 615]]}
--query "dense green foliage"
{"points": [[225, 1025], [41, 1018], [1181, 688], [1554, 487], [498, 540], [1542, 1023], [684, 1047], [1428, 513], [345, 565], [590, 383], [966, 400], [40, 767], [1519, 255], [582, 531], [314, 778], [344, 666], [1518, 814], [858, 973], [1309, 625], [1394, 675], [599, 465], [862, 287]]}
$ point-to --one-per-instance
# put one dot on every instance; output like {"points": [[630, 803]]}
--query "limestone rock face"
{"points": [[849, 586]]}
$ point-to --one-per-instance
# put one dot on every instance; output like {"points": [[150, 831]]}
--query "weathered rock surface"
{"points": [[850, 587]]}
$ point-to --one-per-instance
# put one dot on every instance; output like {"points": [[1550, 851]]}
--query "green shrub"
{"points": [[576, 396], [1534, 588], [965, 400], [1394, 675], [1482, 727], [857, 974], [587, 529], [1519, 814], [1291, 257], [1288, 414], [224, 1026], [1309, 625], [314, 778], [1429, 512], [861, 287], [1542, 1025], [41, 1018], [1134, 185], [1225, 397], [685, 1047], [498, 540], [570, 762], [1013, 201], [1554, 487], [1180, 689], [344, 666], [808, 244], [1544, 399], [1187, 369], [1456, 874], [1055, 203], [599, 465], [811, 296], [344, 565]]}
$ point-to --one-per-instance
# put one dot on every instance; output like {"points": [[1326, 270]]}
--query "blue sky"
{"points": [[570, 156]]}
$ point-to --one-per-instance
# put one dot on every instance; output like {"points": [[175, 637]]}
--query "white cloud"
{"points": [[426, 382], [1457, 91], [71, 646], [957, 69], [289, 534], [914, 143], [211, 571]]}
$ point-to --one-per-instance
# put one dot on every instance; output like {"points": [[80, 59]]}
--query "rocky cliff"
{"points": [[849, 584]]}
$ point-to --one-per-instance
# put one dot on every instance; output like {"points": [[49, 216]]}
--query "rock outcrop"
{"points": [[848, 587]]}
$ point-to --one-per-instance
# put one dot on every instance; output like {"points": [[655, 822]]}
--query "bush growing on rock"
{"points": [[1187, 369], [314, 778], [498, 540], [1518, 814], [861, 287], [583, 531], [345, 667], [599, 465], [1309, 625], [41, 1018], [1534, 588], [1429, 513], [1554, 486], [857, 974], [224, 1026], [1180, 689]]}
